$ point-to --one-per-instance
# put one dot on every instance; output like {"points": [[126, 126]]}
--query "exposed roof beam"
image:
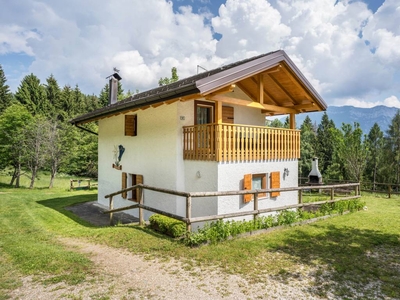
{"points": [[282, 88], [260, 97], [303, 106], [296, 82], [269, 96], [224, 90], [254, 104], [245, 90]]}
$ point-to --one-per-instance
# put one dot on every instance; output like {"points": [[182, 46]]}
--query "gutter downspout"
{"points": [[85, 129]]}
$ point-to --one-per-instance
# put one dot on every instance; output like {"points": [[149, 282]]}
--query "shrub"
{"points": [[220, 230], [167, 225]]}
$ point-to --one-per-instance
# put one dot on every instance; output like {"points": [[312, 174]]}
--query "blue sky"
{"points": [[349, 50]]}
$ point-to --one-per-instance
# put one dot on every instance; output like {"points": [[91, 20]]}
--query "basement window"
{"points": [[130, 125], [254, 182]]}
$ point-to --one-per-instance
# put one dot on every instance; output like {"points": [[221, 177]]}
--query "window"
{"points": [[130, 125], [129, 180], [254, 182], [204, 112]]}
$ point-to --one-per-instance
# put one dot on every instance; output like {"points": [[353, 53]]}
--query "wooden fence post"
{"points": [[389, 190], [332, 193], [255, 196], [111, 207], [300, 197], [188, 213], [141, 219]]}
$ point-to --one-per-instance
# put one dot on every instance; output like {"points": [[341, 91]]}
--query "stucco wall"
{"points": [[157, 154], [231, 178], [153, 153]]}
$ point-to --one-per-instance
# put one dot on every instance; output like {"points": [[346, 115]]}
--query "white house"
{"points": [[207, 133]]}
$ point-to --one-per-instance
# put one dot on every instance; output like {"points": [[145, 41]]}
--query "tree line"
{"points": [[346, 153], [35, 133]]}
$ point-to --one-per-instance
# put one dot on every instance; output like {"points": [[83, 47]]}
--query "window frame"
{"points": [[130, 125], [248, 185]]}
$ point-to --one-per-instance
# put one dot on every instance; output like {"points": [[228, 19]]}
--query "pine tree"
{"points": [[5, 94], [307, 145], [375, 144], [174, 77], [53, 93], [325, 146], [393, 145], [32, 95]]}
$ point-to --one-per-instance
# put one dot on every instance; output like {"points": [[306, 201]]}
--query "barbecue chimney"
{"points": [[315, 176]]}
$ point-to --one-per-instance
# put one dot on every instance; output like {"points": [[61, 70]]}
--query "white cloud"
{"points": [[391, 101], [349, 54], [255, 22], [14, 39]]}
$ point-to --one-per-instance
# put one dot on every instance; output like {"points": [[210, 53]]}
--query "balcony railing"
{"points": [[231, 142]]}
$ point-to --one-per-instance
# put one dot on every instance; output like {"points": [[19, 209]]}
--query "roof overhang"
{"points": [[269, 82]]}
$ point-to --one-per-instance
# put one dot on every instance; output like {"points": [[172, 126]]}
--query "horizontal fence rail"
{"points": [[232, 142], [188, 219]]}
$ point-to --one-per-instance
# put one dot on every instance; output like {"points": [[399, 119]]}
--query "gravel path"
{"points": [[120, 274]]}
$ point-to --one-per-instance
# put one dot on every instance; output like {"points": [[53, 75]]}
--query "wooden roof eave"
{"points": [[214, 82], [121, 107]]}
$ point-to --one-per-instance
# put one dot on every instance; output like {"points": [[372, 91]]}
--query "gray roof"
{"points": [[180, 88], [202, 83]]}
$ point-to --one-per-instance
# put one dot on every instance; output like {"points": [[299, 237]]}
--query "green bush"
{"points": [[220, 230], [167, 225]]}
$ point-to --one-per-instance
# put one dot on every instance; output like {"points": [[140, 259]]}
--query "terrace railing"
{"points": [[232, 142]]}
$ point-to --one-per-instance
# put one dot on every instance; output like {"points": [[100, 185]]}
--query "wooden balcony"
{"points": [[231, 142]]}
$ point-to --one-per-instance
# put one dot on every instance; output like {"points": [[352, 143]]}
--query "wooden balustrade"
{"points": [[231, 142]]}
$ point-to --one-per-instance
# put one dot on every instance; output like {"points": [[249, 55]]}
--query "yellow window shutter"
{"points": [[275, 183], [124, 183], [139, 180], [247, 181]]}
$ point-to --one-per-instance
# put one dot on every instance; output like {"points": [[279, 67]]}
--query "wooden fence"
{"points": [[188, 219], [365, 186], [86, 185]]}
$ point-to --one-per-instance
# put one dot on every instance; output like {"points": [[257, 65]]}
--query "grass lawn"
{"points": [[357, 252]]}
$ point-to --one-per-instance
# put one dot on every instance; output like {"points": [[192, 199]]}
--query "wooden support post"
{"points": [[141, 219], [188, 213], [255, 196], [111, 208], [332, 194], [292, 121], [389, 190]]}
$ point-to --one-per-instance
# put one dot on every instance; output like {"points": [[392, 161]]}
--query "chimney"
{"points": [[113, 88], [315, 176]]}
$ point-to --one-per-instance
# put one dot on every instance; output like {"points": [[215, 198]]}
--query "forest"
{"points": [[36, 137]]}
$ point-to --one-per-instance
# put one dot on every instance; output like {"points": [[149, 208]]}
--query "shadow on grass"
{"points": [[346, 260], [60, 204]]}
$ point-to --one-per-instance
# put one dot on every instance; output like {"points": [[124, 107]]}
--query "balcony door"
{"points": [[204, 114]]}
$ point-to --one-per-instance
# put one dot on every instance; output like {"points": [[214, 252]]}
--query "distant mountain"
{"points": [[366, 117]]}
